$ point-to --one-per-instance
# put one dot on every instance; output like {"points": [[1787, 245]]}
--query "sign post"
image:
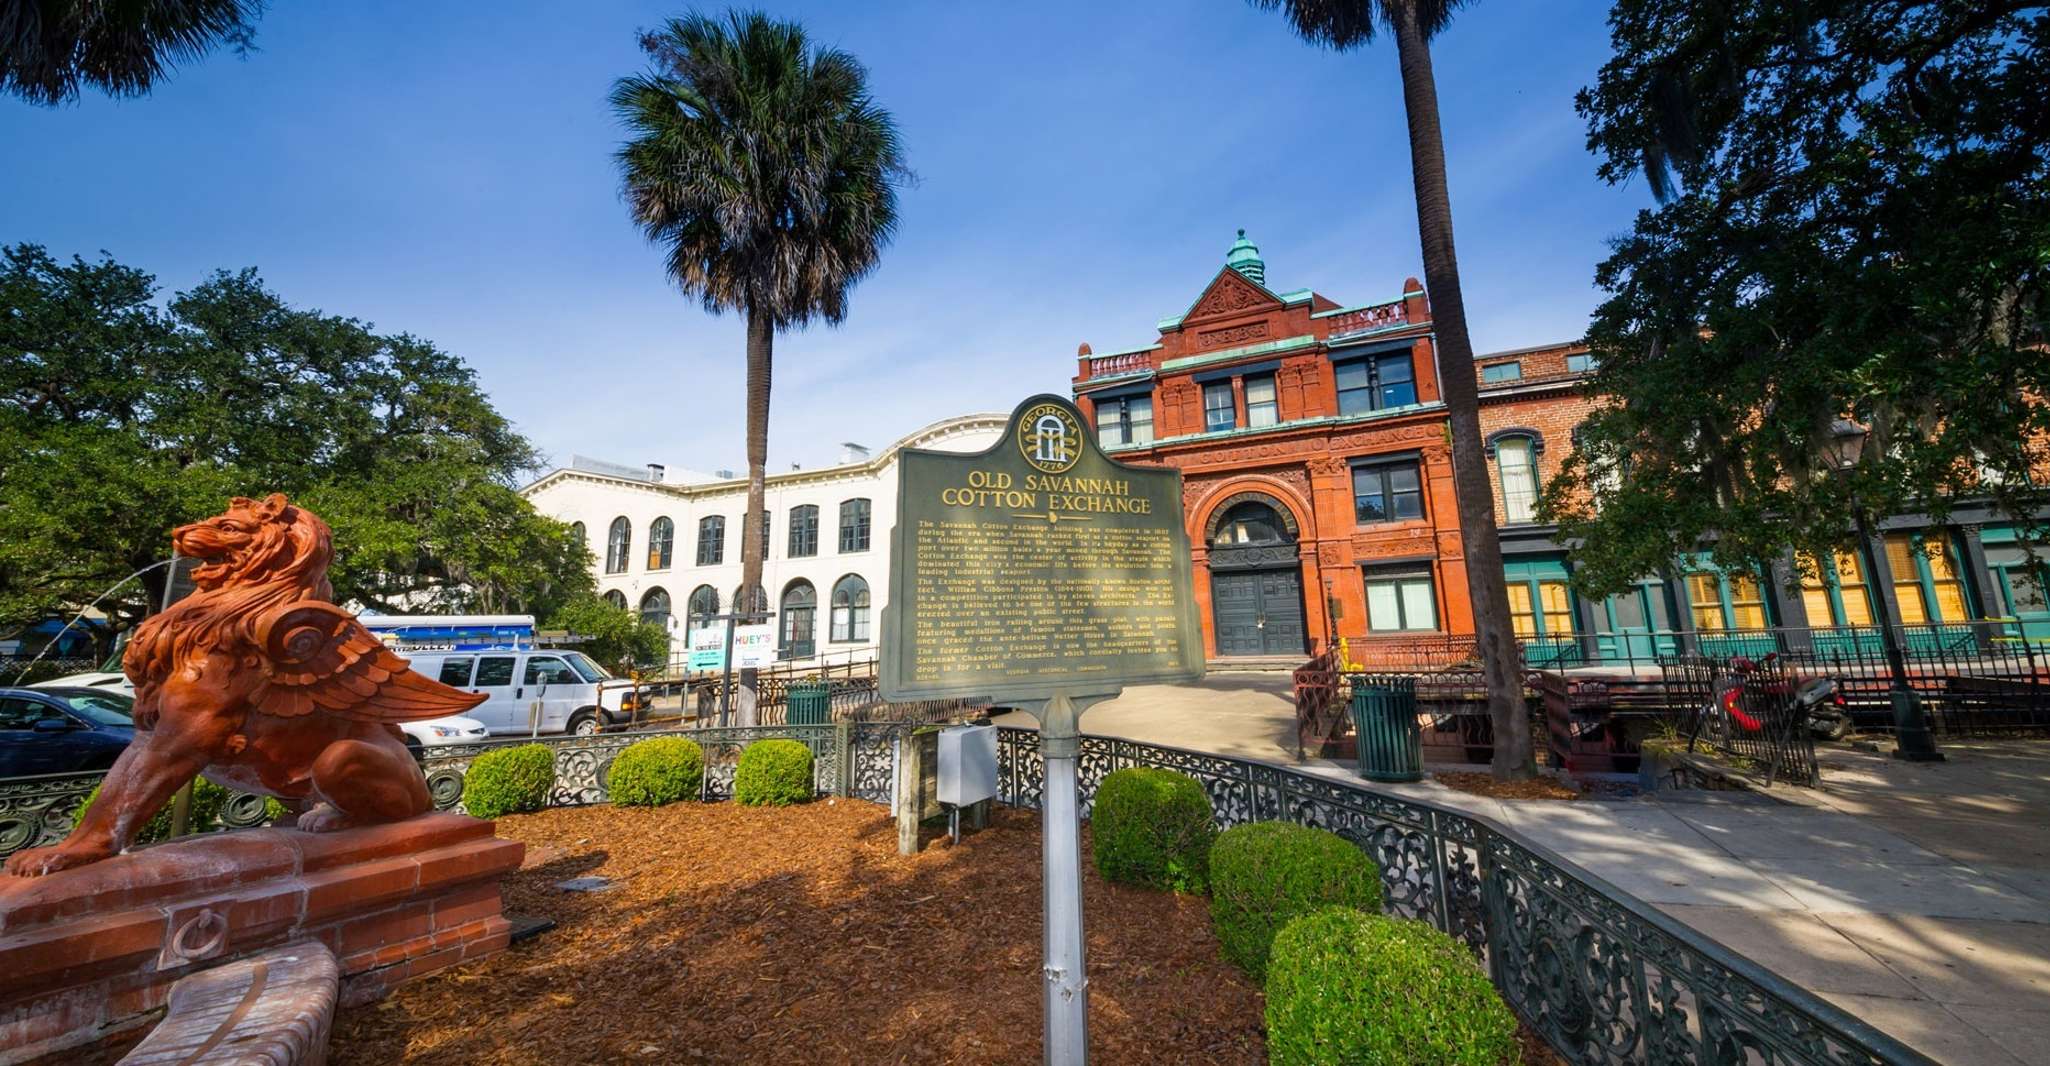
{"points": [[1043, 575]]}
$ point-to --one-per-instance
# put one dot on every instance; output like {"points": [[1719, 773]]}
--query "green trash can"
{"points": [[811, 703], [1384, 713]]}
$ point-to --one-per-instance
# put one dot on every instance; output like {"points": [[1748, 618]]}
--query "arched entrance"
{"points": [[1256, 578]]}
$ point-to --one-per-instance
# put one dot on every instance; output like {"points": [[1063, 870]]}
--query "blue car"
{"points": [[62, 730]]}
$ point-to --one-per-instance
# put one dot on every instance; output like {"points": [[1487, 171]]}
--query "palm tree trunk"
{"points": [[761, 339], [1500, 661]]}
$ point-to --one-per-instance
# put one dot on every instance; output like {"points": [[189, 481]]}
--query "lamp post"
{"points": [[1912, 739]]}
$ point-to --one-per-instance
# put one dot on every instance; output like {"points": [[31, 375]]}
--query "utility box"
{"points": [[968, 764]]}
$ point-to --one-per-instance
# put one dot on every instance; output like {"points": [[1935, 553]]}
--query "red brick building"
{"points": [[1312, 442], [1318, 497]]}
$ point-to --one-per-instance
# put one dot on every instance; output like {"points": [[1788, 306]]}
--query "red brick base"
{"points": [[86, 953]]}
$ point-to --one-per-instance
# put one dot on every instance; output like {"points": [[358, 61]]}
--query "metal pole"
{"points": [[1911, 737], [1067, 979], [726, 679]]}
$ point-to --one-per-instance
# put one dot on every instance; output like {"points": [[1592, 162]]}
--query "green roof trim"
{"points": [[1169, 323], [1113, 379], [1287, 344], [1296, 296]]}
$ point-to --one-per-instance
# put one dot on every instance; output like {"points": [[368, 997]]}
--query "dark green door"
{"points": [[1258, 612]]}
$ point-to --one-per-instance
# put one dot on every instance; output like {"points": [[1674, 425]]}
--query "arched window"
{"points": [[711, 540], [661, 543], [760, 598], [655, 607], [850, 610], [804, 531], [1248, 524], [616, 598], [616, 544], [576, 531], [704, 603], [800, 612], [854, 525], [1516, 460]]}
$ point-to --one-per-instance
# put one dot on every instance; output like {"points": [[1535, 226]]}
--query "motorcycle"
{"points": [[1816, 700]]}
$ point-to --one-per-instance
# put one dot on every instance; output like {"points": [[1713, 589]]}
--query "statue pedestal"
{"points": [[88, 952]]}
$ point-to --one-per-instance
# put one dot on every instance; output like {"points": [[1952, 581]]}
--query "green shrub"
{"points": [[1153, 827], [658, 771], [203, 817], [1265, 873], [1356, 988], [773, 773], [509, 781]]}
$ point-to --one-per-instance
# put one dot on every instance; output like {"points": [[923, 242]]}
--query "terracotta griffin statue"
{"points": [[258, 680]]}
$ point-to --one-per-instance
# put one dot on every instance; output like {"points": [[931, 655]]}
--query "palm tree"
{"points": [[763, 167], [49, 47], [1342, 25]]}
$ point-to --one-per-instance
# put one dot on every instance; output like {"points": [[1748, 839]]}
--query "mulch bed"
{"points": [[737, 934], [1541, 787]]}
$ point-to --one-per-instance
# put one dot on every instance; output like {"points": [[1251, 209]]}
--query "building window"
{"points": [[1387, 492], [711, 540], [1925, 579], [616, 543], [2020, 580], [804, 531], [704, 603], [1725, 602], [1127, 420], [850, 610], [1218, 410], [1250, 523], [760, 600], [576, 533], [661, 543], [762, 530], [616, 598], [1399, 600], [1516, 459], [1581, 363], [1376, 383], [1509, 371], [1261, 409], [655, 607], [1835, 592], [854, 525], [800, 615]]}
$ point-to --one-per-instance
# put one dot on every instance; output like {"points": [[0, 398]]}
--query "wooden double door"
{"points": [[1258, 612]]}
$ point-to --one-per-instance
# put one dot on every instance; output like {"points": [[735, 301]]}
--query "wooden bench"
{"points": [[271, 1009]]}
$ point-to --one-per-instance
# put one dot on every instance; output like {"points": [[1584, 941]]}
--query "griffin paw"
{"points": [[324, 819]]}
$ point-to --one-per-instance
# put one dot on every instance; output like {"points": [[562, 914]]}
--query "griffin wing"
{"points": [[317, 657]]}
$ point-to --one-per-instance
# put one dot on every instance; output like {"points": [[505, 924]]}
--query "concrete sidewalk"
{"points": [[1914, 896]]}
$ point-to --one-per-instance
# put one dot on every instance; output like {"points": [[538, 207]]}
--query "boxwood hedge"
{"points": [[1263, 874], [1153, 827]]}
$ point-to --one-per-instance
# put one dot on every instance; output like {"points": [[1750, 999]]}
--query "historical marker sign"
{"points": [[1040, 565]]}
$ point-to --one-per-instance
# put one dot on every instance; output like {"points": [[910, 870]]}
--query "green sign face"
{"points": [[1037, 566]]}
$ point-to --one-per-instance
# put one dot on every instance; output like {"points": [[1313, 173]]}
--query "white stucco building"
{"points": [[668, 545]]}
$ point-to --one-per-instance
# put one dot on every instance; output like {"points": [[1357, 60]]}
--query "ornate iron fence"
{"points": [[35, 811], [1604, 978]]}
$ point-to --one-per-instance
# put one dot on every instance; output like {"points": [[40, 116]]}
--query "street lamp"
{"points": [[1912, 740]]}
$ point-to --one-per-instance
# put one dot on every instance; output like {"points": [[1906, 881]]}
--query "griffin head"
{"points": [[255, 541]]}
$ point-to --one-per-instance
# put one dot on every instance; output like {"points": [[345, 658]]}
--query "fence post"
{"points": [[843, 759], [905, 800]]}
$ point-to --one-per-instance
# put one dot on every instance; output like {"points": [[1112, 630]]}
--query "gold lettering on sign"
{"points": [[1010, 600], [1218, 338]]}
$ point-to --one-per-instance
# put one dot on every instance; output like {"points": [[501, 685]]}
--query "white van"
{"points": [[547, 691]]}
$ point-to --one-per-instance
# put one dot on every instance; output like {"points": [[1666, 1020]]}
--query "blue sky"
{"points": [[445, 170]]}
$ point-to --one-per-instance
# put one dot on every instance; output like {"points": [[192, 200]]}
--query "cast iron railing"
{"points": [[1604, 978]]}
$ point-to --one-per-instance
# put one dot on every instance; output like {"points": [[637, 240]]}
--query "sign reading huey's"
{"points": [[1037, 565]]}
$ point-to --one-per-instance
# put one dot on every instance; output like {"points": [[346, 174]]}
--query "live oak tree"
{"points": [[49, 48], [768, 175], [1854, 224], [1343, 25], [121, 418]]}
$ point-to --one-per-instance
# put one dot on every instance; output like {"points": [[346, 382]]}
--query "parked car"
{"points": [[62, 730], [541, 691], [436, 732]]}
